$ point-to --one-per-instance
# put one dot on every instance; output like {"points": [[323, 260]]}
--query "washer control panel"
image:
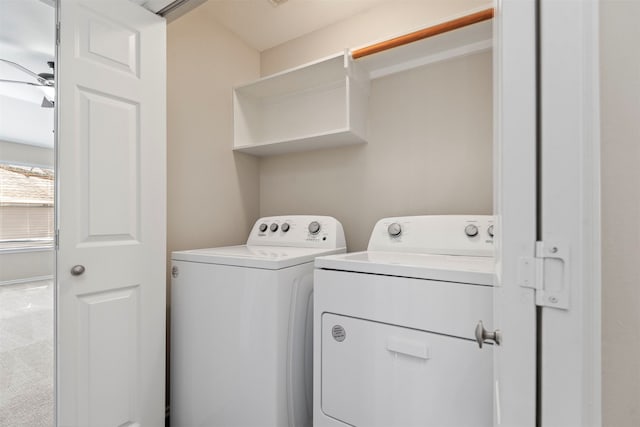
{"points": [[314, 231], [435, 234]]}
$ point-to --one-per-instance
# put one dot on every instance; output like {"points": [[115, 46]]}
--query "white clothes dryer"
{"points": [[395, 326], [241, 326]]}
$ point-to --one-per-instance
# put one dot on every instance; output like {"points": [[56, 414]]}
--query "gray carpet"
{"points": [[26, 355]]}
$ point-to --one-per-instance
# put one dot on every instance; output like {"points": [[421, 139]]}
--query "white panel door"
{"points": [[570, 336], [111, 214], [515, 209]]}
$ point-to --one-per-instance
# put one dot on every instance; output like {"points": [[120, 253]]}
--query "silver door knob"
{"points": [[77, 270], [483, 335]]}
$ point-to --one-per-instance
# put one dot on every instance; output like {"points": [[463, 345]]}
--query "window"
{"points": [[26, 206]]}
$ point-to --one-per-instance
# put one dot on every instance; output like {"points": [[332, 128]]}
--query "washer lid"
{"points": [[266, 257], [447, 268]]}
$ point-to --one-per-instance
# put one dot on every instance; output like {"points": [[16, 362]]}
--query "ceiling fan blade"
{"points": [[47, 76], [43, 81]]}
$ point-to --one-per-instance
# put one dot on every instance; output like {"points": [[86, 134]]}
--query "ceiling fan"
{"points": [[43, 80]]}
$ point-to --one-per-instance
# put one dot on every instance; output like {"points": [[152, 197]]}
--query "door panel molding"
{"points": [[108, 42], [119, 346]]}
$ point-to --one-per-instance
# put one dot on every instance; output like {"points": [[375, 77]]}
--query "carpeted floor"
{"points": [[26, 355]]}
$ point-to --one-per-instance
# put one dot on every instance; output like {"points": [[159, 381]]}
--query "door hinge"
{"points": [[57, 34], [548, 273], [56, 239]]}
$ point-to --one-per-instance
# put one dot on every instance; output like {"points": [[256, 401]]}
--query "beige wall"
{"points": [[212, 192], [25, 266], [430, 133], [620, 103], [12, 152]]}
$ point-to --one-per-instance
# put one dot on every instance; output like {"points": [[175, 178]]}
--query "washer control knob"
{"points": [[394, 229], [274, 227], [285, 227], [314, 227], [471, 230], [490, 230], [263, 227]]}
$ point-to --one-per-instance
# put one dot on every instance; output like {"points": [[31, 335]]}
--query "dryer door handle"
{"points": [[483, 335], [408, 347]]}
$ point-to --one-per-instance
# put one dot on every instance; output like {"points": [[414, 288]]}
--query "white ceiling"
{"points": [[27, 37], [262, 26]]}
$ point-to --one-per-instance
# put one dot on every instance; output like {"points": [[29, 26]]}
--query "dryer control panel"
{"points": [[302, 231], [470, 235]]}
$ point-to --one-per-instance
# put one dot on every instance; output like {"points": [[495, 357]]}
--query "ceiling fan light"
{"points": [[276, 3]]}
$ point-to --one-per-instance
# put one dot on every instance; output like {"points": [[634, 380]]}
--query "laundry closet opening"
{"points": [[429, 127]]}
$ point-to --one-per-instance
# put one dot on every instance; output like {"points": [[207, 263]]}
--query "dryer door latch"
{"points": [[548, 273]]}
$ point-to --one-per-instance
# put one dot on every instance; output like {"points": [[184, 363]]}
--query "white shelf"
{"points": [[332, 139], [318, 105], [463, 41], [301, 78]]}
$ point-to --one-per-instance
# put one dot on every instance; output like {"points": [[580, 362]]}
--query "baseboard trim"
{"points": [[25, 280]]}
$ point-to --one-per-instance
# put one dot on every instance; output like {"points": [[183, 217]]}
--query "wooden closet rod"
{"points": [[454, 24]]}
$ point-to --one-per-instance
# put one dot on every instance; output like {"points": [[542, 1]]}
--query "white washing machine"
{"points": [[395, 326], [241, 326]]}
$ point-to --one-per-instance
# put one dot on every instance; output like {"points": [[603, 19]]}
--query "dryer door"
{"points": [[376, 374]]}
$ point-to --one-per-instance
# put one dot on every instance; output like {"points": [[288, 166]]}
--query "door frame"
{"points": [[547, 196], [569, 194]]}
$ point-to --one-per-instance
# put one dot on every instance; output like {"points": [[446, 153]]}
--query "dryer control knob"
{"points": [[314, 227], [394, 229], [471, 230], [285, 227], [274, 227], [263, 227], [490, 230]]}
